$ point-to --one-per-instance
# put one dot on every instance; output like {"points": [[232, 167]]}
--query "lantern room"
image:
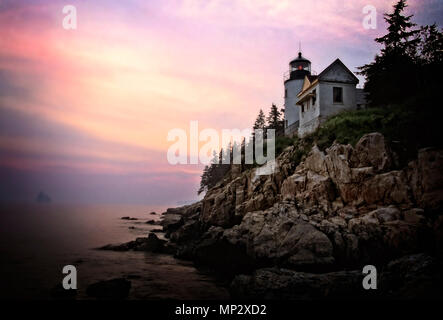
{"points": [[299, 67]]}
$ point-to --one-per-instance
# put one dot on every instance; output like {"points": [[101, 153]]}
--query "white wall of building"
{"points": [[309, 113], [292, 89], [324, 106], [328, 107]]}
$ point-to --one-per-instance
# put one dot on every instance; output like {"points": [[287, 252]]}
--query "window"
{"points": [[303, 107], [338, 94], [314, 97]]}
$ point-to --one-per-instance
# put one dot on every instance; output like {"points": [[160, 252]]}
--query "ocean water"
{"points": [[36, 241]]}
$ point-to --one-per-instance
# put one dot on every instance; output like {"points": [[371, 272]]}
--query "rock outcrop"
{"points": [[151, 243], [406, 278], [340, 208]]}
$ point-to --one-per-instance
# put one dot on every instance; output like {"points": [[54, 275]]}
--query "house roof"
{"points": [[308, 83], [337, 62], [299, 58], [311, 81], [311, 78]]}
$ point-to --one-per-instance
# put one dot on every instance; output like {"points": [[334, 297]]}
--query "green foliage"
{"points": [[409, 126], [281, 143], [260, 122], [299, 153], [215, 172], [410, 60], [275, 120]]}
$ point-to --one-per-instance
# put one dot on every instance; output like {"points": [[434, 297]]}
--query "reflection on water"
{"points": [[38, 240]]}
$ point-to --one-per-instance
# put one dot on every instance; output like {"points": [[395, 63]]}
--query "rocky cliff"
{"points": [[338, 209]]}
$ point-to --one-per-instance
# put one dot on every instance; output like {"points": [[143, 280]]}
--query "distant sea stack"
{"points": [[43, 198]]}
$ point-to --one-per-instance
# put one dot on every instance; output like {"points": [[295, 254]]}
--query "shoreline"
{"points": [[307, 231]]}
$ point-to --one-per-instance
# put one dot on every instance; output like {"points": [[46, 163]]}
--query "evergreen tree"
{"points": [[431, 48], [392, 72], [209, 176], [275, 120], [400, 39], [204, 180], [260, 122]]}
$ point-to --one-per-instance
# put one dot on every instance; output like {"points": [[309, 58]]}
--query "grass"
{"points": [[408, 127]]}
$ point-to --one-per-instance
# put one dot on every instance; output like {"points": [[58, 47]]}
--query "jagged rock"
{"points": [[386, 214], [293, 185], [366, 226], [115, 289], [128, 218], [316, 161], [386, 188], [215, 251], [338, 163], [425, 176], [185, 211], [338, 208], [339, 177], [280, 236], [418, 276], [309, 189], [151, 243], [188, 231], [414, 216], [171, 222], [372, 151], [227, 203], [274, 283]]}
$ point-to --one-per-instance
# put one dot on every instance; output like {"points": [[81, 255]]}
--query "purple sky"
{"points": [[84, 114]]}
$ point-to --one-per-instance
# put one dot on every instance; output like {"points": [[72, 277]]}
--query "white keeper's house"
{"points": [[310, 99]]}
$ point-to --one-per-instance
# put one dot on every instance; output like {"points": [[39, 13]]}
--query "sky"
{"points": [[85, 113]]}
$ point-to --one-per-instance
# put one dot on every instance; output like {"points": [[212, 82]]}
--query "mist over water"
{"points": [[36, 241]]}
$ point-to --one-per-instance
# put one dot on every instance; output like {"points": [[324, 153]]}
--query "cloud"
{"points": [[97, 103]]}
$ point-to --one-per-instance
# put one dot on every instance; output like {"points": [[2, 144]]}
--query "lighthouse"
{"points": [[293, 80]]}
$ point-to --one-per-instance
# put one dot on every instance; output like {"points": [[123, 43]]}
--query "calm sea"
{"points": [[36, 241]]}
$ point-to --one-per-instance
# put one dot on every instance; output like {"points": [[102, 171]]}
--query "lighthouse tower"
{"points": [[298, 69]]}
